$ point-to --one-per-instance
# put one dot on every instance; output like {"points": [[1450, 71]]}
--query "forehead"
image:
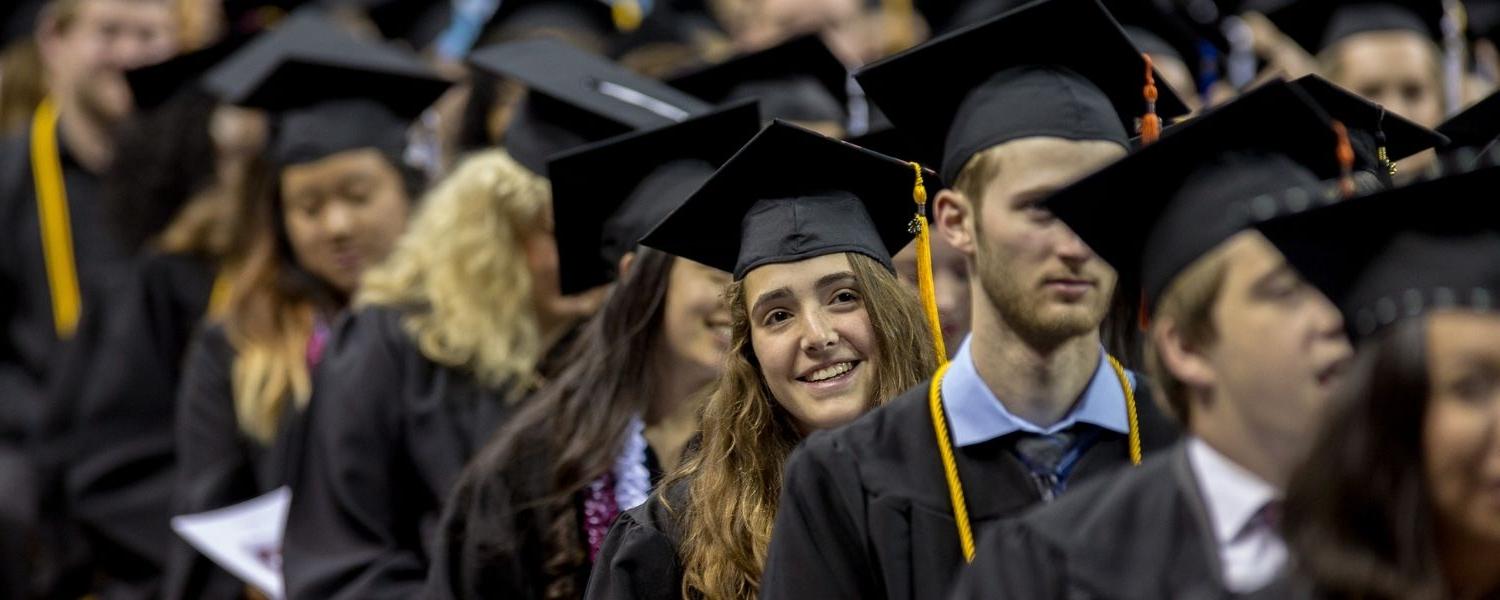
{"points": [[1461, 331], [799, 277], [1035, 164], [154, 10], [1248, 257], [330, 169]]}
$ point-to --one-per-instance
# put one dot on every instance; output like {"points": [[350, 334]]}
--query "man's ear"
{"points": [[1185, 360], [626, 261], [48, 35], [954, 217]]}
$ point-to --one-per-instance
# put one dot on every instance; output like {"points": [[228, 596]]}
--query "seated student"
{"points": [[822, 331], [1246, 354], [1032, 403], [341, 197], [465, 318], [527, 516], [1400, 495]]}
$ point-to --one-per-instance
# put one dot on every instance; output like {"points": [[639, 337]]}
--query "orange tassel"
{"points": [[1346, 160], [1150, 122], [925, 285]]}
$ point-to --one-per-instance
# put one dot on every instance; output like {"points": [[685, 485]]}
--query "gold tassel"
{"points": [[925, 285]]}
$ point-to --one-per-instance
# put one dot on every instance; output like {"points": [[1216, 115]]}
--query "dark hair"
{"points": [[162, 158], [1357, 513], [578, 422]]}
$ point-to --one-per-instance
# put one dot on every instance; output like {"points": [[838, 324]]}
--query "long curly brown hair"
{"points": [[734, 481]]}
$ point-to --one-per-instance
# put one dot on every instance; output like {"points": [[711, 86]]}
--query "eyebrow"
{"points": [[782, 293]]}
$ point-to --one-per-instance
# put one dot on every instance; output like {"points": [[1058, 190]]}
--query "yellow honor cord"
{"points": [[52, 212], [925, 286], [218, 296], [950, 464]]}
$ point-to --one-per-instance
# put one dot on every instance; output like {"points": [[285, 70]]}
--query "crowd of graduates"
{"points": [[637, 299]]}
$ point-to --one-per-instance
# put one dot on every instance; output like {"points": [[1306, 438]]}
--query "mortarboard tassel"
{"points": [[1346, 161], [1380, 152], [925, 285], [1150, 122], [626, 14]]}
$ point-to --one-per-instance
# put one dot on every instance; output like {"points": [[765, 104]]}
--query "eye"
{"points": [[777, 316], [845, 297], [1475, 386]]}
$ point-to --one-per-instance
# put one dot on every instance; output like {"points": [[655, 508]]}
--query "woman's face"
{"points": [[1461, 436], [553, 309], [695, 320], [811, 333], [343, 213]]}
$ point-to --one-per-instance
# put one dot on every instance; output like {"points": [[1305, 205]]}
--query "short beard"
{"points": [[1019, 311], [96, 109]]}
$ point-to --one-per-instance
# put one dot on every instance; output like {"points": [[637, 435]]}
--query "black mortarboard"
{"points": [[1316, 25], [607, 195], [1026, 73], [1156, 29], [1401, 253], [329, 90], [797, 80], [1154, 212], [1370, 125], [1477, 126], [793, 194], [574, 98], [152, 85]]}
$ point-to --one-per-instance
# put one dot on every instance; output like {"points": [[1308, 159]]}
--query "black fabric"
{"points": [[1203, 182], [641, 557], [1370, 121], [327, 128], [865, 511], [608, 195], [1137, 534], [1476, 126], [218, 465], [1401, 253], [797, 80], [387, 433], [574, 98], [1024, 74], [153, 85], [792, 194]]}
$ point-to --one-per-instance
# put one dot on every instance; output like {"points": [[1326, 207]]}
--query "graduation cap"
{"points": [[1204, 181], [1380, 136], [328, 90], [574, 98], [1320, 24], [1157, 30], [153, 85], [789, 195], [1401, 253], [797, 80], [1022, 74], [607, 195], [1477, 126]]}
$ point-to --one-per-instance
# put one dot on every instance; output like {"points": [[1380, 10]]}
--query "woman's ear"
{"points": [[625, 262], [1181, 357]]}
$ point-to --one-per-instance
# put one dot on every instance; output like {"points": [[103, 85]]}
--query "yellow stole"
{"points": [[52, 212]]}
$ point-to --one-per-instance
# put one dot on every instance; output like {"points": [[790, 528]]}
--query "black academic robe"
{"points": [[641, 557], [1142, 534], [111, 442], [218, 464], [29, 346], [865, 510], [388, 432]]}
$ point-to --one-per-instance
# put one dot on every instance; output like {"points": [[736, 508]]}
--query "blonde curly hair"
{"points": [[460, 275]]}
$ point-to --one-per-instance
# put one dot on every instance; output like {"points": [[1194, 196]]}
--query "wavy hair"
{"points": [[734, 481], [459, 274]]}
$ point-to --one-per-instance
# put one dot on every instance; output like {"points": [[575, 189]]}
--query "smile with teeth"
{"points": [[828, 372]]}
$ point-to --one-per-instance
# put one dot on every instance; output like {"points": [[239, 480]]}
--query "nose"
{"points": [[818, 333], [1070, 247], [338, 220]]}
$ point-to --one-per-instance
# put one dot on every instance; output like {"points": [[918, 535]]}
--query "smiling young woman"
{"points": [[822, 330]]}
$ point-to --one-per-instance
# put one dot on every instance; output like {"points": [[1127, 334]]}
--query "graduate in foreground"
{"points": [[822, 331]]}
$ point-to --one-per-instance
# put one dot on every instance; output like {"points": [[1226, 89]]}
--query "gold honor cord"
{"points": [[950, 465], [218, 296], [52, 212]]}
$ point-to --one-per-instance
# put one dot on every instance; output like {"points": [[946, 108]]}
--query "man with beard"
{"points": [[53, 245], [888, 506]]}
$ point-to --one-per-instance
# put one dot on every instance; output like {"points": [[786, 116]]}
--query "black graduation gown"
{"points": [[29, 346], [218, 464], [492, 542], [865, 509], [641, 559], [1142, 534], [111, 441], [388, 432]]}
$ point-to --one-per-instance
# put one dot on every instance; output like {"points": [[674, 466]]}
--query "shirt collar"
{"points": [[975, 415], [1234, 495]]}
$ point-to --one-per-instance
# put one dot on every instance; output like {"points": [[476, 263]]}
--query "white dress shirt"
{"points": [[1251, 551]]}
